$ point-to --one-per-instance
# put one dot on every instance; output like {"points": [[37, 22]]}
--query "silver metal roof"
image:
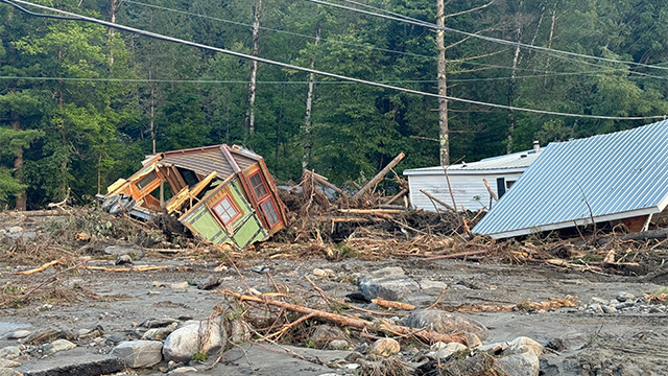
{"points": [[516, 162], [620, 175]]}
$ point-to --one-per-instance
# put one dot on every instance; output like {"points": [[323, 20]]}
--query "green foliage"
{"points": [[67, 133]]}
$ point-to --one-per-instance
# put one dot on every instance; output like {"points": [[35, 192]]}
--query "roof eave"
{"points": [[494, 171]]}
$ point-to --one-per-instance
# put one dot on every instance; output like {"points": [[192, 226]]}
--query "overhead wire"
{"points": [[417, 22], [364, 46], [308, 70]]}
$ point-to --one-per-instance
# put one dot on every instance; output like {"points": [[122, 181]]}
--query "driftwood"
{"points": [[138, 268], [40, 269], [42, 213], [396, 305], [423, 334], [397, 196], [489, 189], [438, 201], [379, 176], [323, 181], [371, 211], [639, 236], [457, 255]]}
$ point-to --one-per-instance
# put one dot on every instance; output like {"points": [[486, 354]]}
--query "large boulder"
{"points": [[58, 345], [388, 283], [523, 364], [207, 337], [139, 354], [446, 323]]}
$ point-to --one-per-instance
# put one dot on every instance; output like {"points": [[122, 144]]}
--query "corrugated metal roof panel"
{"points": [[520, 161], [206, 159], [620, 175]]}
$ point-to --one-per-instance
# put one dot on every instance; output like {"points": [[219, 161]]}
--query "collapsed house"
{"points": [[472, 185], [225, 194], [621, 176]]}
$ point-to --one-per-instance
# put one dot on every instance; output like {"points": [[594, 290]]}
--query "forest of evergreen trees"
{"points": [[81, 104]]}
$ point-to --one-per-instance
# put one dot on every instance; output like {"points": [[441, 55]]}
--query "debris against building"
{"points": [[473, 186], [621, 176], [222, 193]]}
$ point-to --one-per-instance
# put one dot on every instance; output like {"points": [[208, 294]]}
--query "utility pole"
{"points": [[443, 136]]}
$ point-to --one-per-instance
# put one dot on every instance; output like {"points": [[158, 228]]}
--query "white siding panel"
{"points": [[469, 190]]}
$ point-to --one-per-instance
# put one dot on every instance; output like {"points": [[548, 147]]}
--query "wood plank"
{"points": [[376, 179]]}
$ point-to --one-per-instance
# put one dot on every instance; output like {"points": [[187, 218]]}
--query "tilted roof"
{"points": [[205, 160], [516, 162], [607, 177]]}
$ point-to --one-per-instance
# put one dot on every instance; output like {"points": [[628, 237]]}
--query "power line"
{"points": [[241, 82], [298, 68], [364, 46], [478, 36]]}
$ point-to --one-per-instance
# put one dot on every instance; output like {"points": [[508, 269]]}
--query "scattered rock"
{"points": [[477, 365], [179, 285], [209, 283], [609, 309], [446, 323], [524, 364], [182, 370], [58, 345], [239, 331], [9, 372], [432, 287], [159, 334], [15, 229], [595, 300], [117, 250], [339, 344], [441, 350], [385, 347], [259, 269], [18, 334], [326, 333], [570, 341], [77, 362], [387, 288], [213, 335], [524, 344], [139, 354], [46, 335], [181, 344], [329, 273], [158, 323], [123, 259], [4, 363], [471, 340], [10, 352], [623, 296]]}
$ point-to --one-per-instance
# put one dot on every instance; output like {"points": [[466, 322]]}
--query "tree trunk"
{"points": [[280, 118], [152, 116], [21, 199], [549, 40], [250, 111], [309, 106], [443, 136], [113, 7], [511, 85]]}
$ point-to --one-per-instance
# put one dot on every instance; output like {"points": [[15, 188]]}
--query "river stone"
{"points": [[524, 364], [123, 259], [4, 363], [18, 334], [139, 354], [385, 347], [179, 285], [10, 352], [8, 372], [326, 333], [58, 345], [339, 344], [570, 341], [213, 335], [182, 370], [42, 336], [446, 323], [209, 283], [609, 309], [239, 331], [158, 323], [624, 296], [181, 344], [442, 350], [389, 283], [523, 344], [159, 334], [117, 250]]}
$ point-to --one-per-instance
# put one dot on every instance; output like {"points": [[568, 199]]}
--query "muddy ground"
{"points": [[614, 344], [631, 341]]}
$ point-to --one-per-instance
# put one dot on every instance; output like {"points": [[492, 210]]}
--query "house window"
{"points": [[270, 212], [226, 211], [146, 180], [509, 183], [257, 183]]}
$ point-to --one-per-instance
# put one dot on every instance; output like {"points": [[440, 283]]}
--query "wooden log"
{"points": [[424, 334], [376, 179], [639, 236], [372, 211], [41, 213], [37, 270], [489, 189], [397, 196], [350, 220], [396, 305], [457, 255], [438, 201], [323, 181]]}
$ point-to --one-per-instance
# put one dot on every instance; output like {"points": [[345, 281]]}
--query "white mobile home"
{"points": [[466, 181]]}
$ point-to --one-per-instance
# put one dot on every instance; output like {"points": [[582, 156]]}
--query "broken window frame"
{"points": [[232, 205]]}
